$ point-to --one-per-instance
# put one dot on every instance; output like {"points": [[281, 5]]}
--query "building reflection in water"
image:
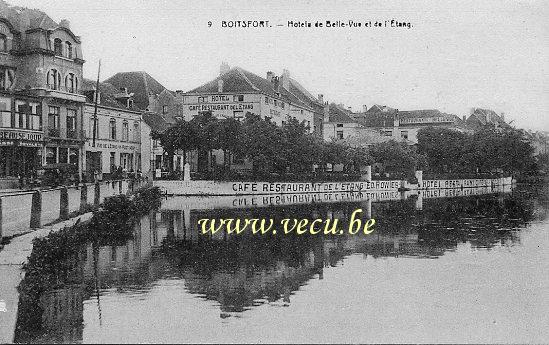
{"points": [[240, 272]]}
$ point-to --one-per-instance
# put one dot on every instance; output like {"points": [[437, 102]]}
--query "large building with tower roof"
{"points": [[40, 103]]}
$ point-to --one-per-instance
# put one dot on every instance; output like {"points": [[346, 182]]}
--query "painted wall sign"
{"points": [[207, 107]]}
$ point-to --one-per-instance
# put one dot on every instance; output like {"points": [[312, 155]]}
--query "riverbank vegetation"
{"points": [[51, 264], [291, 152]]}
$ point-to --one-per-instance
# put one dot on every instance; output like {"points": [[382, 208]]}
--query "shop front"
{"points": [[20, 155]]}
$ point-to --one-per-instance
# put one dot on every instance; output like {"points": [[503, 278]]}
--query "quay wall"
{"points": [[21, 212]]}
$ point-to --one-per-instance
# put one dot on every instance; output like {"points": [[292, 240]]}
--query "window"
{"points": [[404, 134], [266, 100], [71, 83], [164, 109], [136, 133], [238, 98], [276, 103], [68, 46], [112, 162], [92, 123], [282, 105], [73, 156], [58, 47], [51, 155], [339, 134], [5, 112], [112, 129], [53, 121], [63, 155], [125, 131], [7, 77], [54, 79], [3, 43], [238, 114], [71, 123], [339, 125]]}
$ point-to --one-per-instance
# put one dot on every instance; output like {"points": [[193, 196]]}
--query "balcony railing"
{"points": [[54, 132], [20, 120], [72, 133], [61, 88]]}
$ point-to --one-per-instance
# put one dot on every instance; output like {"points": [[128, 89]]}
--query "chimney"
{"points": [[350, 109], [65, 23], [326, 112], [220, 85], [464, 118], [321, 98], [224, 68], [270, 76], [502, 117], [286, 79], [364, 108]]}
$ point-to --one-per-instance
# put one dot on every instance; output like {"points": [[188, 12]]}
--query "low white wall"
{"points": [[265, 188], [259, 188]]}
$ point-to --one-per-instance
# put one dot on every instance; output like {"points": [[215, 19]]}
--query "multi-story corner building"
{"points": [[236, 92], [118, 126], [40, 104], [405, 125], [161, 108]]}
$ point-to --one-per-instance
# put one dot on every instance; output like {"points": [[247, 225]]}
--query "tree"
{"points": [[397, 157]]}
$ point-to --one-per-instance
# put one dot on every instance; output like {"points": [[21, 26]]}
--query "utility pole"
{"points": [[95, 105]]}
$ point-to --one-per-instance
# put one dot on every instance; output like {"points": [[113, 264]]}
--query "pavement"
{"points": [[12, 257]]}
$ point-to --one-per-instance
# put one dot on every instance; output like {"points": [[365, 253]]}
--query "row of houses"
{"points": [[51, 116]]}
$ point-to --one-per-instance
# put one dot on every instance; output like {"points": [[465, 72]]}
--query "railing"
{"points": [[20, 121], [54, 132], [62, 88], [72, 133]]}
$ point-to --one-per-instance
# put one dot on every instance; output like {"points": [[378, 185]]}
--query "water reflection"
{"points": [[233, 274]]}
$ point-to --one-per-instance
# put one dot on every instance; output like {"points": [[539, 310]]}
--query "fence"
{"points": [[21, 212]]}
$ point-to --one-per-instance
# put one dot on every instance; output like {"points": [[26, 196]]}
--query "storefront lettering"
{"points": [[19, 135]]}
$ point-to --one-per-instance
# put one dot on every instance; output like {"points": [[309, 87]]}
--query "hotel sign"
{"points": [[425, 120]]}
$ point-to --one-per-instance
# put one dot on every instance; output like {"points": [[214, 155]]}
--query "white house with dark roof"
{"points": [[236, 92]]}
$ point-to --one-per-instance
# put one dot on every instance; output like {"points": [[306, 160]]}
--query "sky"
{"points": [[456, 55]]}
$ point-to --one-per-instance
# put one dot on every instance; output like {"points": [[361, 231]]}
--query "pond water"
{"points": [[453, 269]]}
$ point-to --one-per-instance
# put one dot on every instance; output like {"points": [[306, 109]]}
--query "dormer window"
{"points": [[3, 43], [58, 47], [68, 47], [54, 79]]}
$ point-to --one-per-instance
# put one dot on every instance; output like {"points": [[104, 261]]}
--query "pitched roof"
{"points": [[484, 116], [22, 18], [238, 80], [300, 92], [107, 92], [377, 116], [156, 121], [336, 114], [141, 84]]}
